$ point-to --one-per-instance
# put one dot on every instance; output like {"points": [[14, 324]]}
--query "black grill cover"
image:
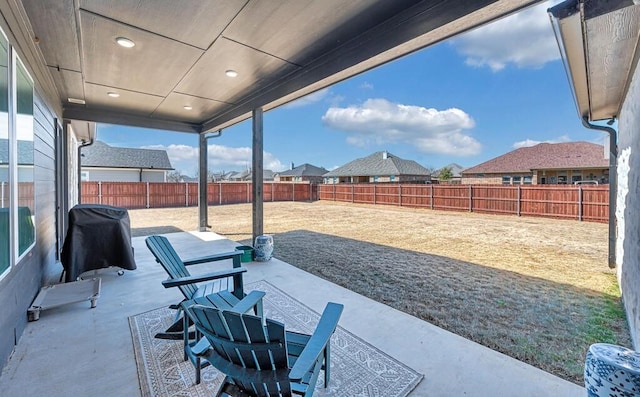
{"points": [[99, 236]]}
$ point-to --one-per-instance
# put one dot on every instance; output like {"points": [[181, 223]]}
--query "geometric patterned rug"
{"points": [[357, 368]]}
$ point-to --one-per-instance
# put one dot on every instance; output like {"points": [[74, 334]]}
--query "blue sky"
{"points": [[464, 101]]}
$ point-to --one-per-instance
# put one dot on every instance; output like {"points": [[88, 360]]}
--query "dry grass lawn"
{"points": [[535, 289]]}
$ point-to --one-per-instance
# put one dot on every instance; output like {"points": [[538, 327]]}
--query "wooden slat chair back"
{"points": [[227, 281], [166, 255], [259, 359], [171, 262]]}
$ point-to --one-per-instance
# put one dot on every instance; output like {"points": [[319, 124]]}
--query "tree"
{"points": [[446, 174], [174, 176]]}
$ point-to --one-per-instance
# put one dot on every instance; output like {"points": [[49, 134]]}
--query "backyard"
{"points": [[536, 289]]}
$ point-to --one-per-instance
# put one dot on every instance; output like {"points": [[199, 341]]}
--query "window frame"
{"points": [[15, 65]]}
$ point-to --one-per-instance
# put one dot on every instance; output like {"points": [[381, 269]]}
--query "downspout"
{"points": [[203, 216], [83, 143], [613, 184]]}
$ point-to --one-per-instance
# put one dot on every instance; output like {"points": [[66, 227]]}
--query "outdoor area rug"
{"points": [[357, 368]]}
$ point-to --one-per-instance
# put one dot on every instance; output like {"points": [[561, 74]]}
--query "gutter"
{"points": [[83, 143], [613, 184]]}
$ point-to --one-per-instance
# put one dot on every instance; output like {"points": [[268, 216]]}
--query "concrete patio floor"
{"points": [[74, 350]]}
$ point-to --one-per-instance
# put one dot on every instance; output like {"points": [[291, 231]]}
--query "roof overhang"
{"points": [[598, 41], [174, 77], [84, 131]]}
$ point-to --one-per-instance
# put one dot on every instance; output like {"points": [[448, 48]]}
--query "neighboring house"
{"points": [[25, 161], [379, 167], [544, 163], [456, 170], [245, 176], [101, 162], [302, 173]]}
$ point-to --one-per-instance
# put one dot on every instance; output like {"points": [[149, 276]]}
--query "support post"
{"points": [[202, 185], [257, 171]]}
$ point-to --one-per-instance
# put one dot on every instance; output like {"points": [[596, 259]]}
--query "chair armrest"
{"points": [[249, 302], [214, 258], [203, 277], [319, 340]]}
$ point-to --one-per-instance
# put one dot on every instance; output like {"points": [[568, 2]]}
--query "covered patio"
{"points": [[74, 350]]}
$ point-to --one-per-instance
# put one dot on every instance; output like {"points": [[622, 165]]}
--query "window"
{"points": [[17, 203], [392, 178], [5, 242], [506, 180], [84, 176], [375, 178], [516, 180], [527, 179]]}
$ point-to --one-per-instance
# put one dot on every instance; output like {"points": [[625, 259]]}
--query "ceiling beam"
{"points": [[119, 118]]}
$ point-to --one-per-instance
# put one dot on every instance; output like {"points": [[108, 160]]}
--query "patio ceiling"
{"points": [[281, 50]]}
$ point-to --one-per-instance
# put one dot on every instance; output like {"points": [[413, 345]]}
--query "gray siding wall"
{"points": [[628, 206], [123, 175], [22, 284]]}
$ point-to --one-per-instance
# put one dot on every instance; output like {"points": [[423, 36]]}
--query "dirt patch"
{"points": [[532, 288]]}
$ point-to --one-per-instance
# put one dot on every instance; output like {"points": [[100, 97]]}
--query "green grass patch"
{"points": [[607, 315]]}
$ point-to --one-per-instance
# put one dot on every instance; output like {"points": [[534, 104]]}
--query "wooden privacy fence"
{"points": [[26, 196], [185, 194], [584, 203]]}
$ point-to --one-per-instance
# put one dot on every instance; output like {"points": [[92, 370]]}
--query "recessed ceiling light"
{"points": [[231, 73], [125, 42], [187, 107], [113, 94], [76, 100]]}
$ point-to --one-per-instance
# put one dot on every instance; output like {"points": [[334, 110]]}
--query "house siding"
{"points": [[124, 175], [628, 206], [23, 282]]}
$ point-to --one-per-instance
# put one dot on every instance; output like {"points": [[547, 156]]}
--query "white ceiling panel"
{"points": [[58, 41], [153, 66], [255, 70], [195, 22], [130, 102], [318, 26], [173, 107], [69, 83]]}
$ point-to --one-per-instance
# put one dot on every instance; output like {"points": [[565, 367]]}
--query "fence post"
{"points": [[148, 194], [470, 198], [293, 191], [352, 193], [99, 192], [219, 193], [580, 202], [399, 195], [431, 195], [186, 194], [334, 191], [519, 201], [310, 191], [374, 193]]}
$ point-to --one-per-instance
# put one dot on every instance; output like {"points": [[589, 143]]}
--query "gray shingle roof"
{"points": [[376, 164], [102, 155], [567, 155], [456, 169], [25, 152], [305, 170]]}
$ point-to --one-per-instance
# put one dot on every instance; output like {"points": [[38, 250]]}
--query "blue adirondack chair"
{"points": [[260, 358], [228, 284]]}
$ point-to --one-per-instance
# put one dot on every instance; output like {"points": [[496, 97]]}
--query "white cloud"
{"points": [[309, 99], [184, 158], [366, 86], [533, 142], [524, 39], [378, 121]]}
